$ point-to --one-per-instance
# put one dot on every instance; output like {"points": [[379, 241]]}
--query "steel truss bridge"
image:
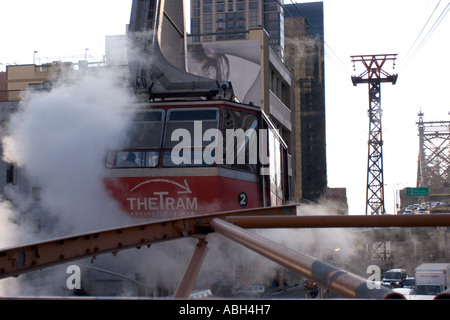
{"points": [[434, 156]]}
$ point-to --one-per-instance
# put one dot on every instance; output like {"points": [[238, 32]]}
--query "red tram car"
{"points": [[194, 157], [192, 147]]}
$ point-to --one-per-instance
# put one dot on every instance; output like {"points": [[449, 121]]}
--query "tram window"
{"points": [[185, 119], [241, 151], [132, 159], [146, 129], [191, 159], [192, 125], [276, 178]]}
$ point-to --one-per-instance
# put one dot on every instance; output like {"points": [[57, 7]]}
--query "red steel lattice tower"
{"points": [[374, 75]]}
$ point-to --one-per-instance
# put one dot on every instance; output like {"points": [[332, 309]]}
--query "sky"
{"points": [[47, 30]]}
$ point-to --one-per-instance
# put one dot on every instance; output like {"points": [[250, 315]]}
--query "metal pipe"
{"points": [[341, 282], [350, 221], [187, 282], [445, 295]]}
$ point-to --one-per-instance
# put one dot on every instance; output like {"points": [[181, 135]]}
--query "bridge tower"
{"points": [[434, 155]]}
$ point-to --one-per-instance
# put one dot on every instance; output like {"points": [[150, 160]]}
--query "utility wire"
{"points": [[423, 28], [335, 59], [436, 23]]}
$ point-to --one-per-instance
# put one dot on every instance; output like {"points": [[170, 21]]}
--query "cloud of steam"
{"points": [[300, 46], [336, 246], [229, 264], [58, 141], [9, 230], [60, 138]]}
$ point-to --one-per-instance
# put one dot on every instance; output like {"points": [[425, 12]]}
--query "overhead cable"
{"points": [[431, 30]]}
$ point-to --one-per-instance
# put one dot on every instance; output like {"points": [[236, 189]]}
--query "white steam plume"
{"points": [[60, 138], [58, 141]]}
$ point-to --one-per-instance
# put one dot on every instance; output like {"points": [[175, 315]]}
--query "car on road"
{"points": [[253, 291], [394, 278], [422, 211], [409, 283], [408, 211]]}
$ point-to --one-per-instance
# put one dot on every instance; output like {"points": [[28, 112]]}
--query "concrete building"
{"points": [[3, 87], [18, 78], [219, 20]]}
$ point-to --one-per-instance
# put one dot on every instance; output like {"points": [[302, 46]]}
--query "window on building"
{"points": [[195, 22], [207, 9], [253, 15], [207, 27], [253, 5], [10, 173], [253, 24], [220, 25]]}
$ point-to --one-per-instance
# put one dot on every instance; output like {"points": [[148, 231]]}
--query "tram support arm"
{"points": [[341, 282], [187, 282]]}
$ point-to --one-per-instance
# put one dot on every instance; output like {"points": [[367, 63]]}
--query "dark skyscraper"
{"points": [[304, 34]]}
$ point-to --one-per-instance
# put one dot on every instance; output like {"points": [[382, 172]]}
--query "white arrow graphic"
{"points": [[185, 188]]}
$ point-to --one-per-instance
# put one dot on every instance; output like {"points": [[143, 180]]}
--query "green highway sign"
{"points": [[417, 192]]}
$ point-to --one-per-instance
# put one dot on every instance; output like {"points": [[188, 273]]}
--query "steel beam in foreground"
{"points": [[445, 295], [350, 221], [187, 283], [17, 260], [341, 282]]}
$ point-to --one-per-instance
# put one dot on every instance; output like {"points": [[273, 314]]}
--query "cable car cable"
{"points": [[433, 28]]}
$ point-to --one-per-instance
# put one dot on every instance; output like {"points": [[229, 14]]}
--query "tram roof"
{"points": [[197, 103]]}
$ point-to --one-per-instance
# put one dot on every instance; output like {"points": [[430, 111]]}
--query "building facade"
{"points": [[219, 20], [295, 35], [304, 55]]}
